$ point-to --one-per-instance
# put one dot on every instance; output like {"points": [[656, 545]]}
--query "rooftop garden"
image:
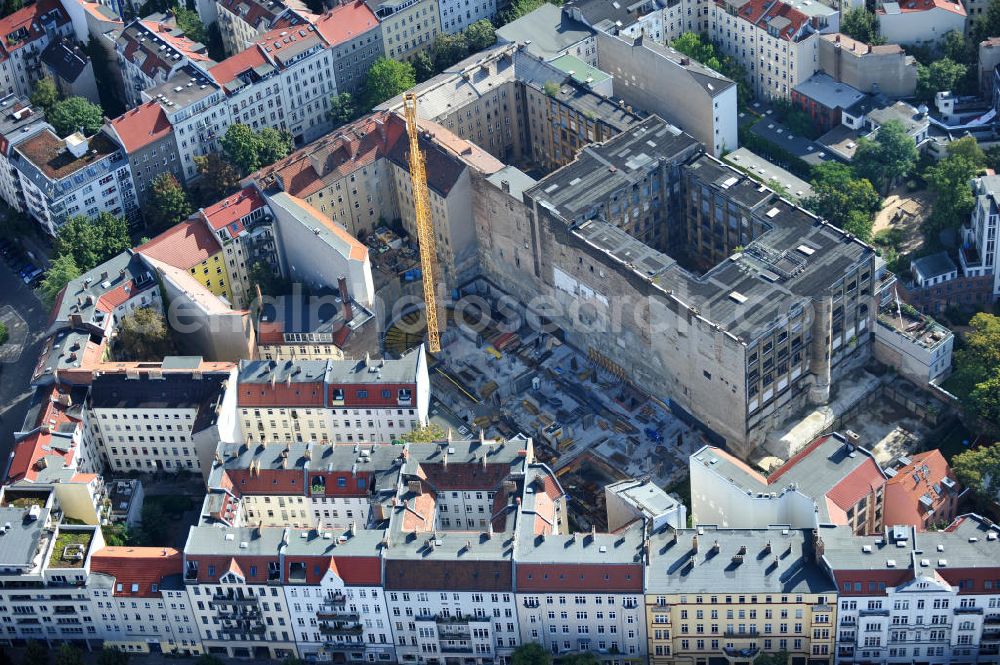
{"points": [[70, 550]]}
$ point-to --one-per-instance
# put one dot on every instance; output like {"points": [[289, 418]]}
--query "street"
{"points": [[16, 368]]}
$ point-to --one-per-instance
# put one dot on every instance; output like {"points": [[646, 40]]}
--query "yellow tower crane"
{"points": [[425, 228]]}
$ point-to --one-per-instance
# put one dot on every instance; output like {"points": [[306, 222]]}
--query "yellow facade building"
{"points": [[717, 596], [408, 26], [192, 246]]}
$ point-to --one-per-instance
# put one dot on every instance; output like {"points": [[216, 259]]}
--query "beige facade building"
{"points": [[408, 26], [882, 69]]}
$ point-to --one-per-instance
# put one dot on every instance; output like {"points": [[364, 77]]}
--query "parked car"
{"points": [[31, 276], [35, 279]]}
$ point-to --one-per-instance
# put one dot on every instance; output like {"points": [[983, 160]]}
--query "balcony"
{"points": [[344, 646], [242, 630], [742, 633], [222, 599], [733, 652], [968, 610], [873, 613], [342, 629], [991, 619], [333, 615], [456, 648], [246, 614], [531, 602]]}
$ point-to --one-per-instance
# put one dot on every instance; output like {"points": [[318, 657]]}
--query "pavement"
{"points": [[30, 316]]}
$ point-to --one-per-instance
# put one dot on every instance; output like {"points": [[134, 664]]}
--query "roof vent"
{"points": [[772, 213], [806, 249], [891, 563], [738, 297]]}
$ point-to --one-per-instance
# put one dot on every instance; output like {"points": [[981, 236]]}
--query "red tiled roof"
{"points": [[227, 213], [25, 26], [919, 478], [137, 569], [120, 295], [760, 12], [334, 156], [858, 483], [226, 71], [281, 394], [255, 11], [185, 245], [28, 452], [927, 5], [620, 578], [346, 22], [141, 126], [465, 476]]}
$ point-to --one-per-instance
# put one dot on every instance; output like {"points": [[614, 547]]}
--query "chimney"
{"points": [[77, 144], [694, 544], [345, 297], [505, 186]]}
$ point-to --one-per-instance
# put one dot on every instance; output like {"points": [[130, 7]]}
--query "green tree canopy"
{"points": [[975, 378], [68, 654], [109, 656], [219, 178], [248, 150], [93, 241], [941, 75], [45, 95], [36, 653], [861, 24], [519, 8], [891, 155], [11, 6], [168, 203], [143, 335], [950, 180], [447, 50], [75, 114], [844, 199], [386, 79], [342, 109], [480, 35], [532, 653], [776, 658], [979, 470], [427, 434], [701, 49], [190, 24], [273, 144], [61, 272], [423, 67], [241, 147]]}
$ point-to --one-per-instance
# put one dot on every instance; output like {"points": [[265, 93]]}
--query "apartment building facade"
{"points": [[191, 246], [78, 175], [155, 420], [147, 138], [343, 401], [726, 593], [408, 26], [26, 33], [20, 121]]}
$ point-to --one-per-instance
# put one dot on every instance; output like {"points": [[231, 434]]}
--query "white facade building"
{"points": [[457, 15], [978, 255]]}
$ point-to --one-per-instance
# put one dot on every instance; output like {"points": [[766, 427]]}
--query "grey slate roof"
{"points": [[548, 29], [934, 265], [774, 561]]}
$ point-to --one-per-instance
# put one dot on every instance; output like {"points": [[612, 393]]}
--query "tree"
{"points": [[93, 241], [143, 335], [532, 653], [778, 658], [272, 145], [109, 656], [115, 535], [427, 434], [68, 655], [949, 179], [75, 114], [240, 145], [45, 94], [4, 333], [423, 67], [219, 178], [861, 24], [703, 51], [36, 653], [61, 272], [578, 659], [11, 6], [892, 155], [386, 79], [480, 35], [270, 284], [190, 24], [975, 378], [342, 108], [209, 659], [941, 75], [447, 50], [249, 150], [979, 470], [519, 8], [169, 203], [843, 199]]}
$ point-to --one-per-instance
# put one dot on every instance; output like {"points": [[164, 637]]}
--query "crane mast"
{"points": [[425, 228]]}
